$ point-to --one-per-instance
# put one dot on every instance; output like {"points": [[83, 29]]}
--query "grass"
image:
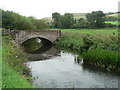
{"points": [[0, 67], [91, 31], [71, 40], [12, 79], [102, 58], [112, 22], [0, 60], [75, 39], [13, 70]]}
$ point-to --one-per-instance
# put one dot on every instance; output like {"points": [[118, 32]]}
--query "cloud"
{"points": [[45, 8]]}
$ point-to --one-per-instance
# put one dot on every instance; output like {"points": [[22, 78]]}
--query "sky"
{"points": [[45, 8]]}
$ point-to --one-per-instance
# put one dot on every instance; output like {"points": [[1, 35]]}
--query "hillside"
{"points": [[79, 15], [113, 15], [75, 15]]}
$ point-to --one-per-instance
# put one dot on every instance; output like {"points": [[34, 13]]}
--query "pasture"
{"points": [[91, 31], [113, 22]]}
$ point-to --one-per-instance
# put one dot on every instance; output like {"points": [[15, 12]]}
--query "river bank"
{"points": [[99, 47], [14, 72]]}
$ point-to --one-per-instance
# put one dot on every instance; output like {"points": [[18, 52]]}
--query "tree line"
{"points": [[94, 20], [12, 20]]}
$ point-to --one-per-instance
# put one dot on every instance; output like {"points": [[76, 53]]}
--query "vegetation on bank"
{"points": [[0, 67], [14, 71], [97, 46], [76, 39], [0, 60], [102, 58]]}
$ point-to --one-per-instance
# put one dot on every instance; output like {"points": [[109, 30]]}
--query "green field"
{"points": [[91, 31], [112, 22]]}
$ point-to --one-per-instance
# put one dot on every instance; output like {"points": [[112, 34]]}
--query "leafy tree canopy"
{"points": [[96, 19], [12, 20]]}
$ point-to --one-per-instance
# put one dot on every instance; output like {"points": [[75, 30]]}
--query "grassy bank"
{"points": [[13, 70], [0, 67], [102, 58], [89, 39], [0, 59], [97, 45]]}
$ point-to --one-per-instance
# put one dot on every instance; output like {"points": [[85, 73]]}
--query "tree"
{"points": [[63, 21], [96, 19], [67, 20], [39, 24], [56, 20], [12, 20], [81, 23], [6, 19]]}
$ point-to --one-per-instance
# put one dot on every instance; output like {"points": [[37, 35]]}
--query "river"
{"points": [[57, 68]]}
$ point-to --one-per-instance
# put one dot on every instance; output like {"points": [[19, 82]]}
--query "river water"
{"points": [[56, 68]]}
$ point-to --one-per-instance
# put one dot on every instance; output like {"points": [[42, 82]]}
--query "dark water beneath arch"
{"points": [[57, 68]]}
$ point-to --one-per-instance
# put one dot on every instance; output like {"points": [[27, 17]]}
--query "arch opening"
{"points": [[36, 45]]}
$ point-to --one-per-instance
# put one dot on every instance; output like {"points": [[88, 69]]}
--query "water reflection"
{"points": [[36, 45], [32, 45], [43, 54], [39, 49], [78, 60]]}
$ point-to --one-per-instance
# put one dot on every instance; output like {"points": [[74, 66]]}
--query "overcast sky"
{"points": [[45, 8]]}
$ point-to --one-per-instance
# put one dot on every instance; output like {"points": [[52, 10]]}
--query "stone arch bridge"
{"points": [[21, 36]]}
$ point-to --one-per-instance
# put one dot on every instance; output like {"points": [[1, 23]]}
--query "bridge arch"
{"points": [[33, 47], [21, 36]]}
